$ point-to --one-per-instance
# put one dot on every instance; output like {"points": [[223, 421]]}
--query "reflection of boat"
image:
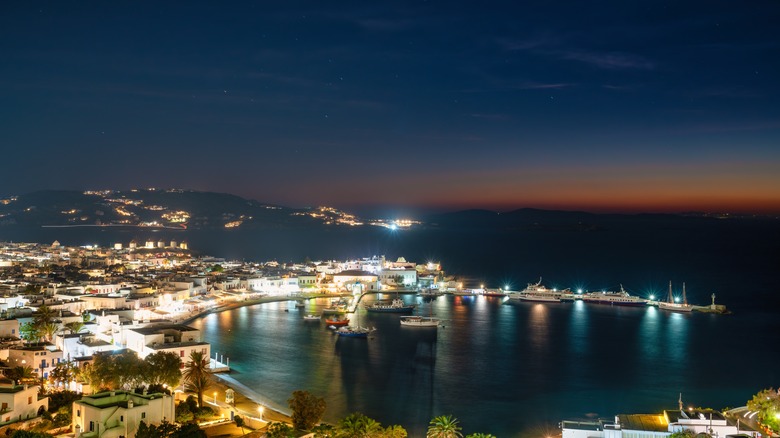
{"points": [[537, 293], [333, 310], [397, 306], [419, 321], [311, 317], [621, 298], [337, 321], [462, 293], [300, 304], [673, 306]]}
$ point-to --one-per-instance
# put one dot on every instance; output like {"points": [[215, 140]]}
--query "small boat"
{"points": [[430, 293], [337, 321], [397, 306], [353, 332], [674, 306], [493, 293], [420, 321], [311, 317]]}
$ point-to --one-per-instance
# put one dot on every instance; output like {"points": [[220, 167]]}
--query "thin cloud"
{"points": [[612, 60]]}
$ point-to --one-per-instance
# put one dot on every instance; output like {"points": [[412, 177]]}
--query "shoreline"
{"points": [[247, 400]]}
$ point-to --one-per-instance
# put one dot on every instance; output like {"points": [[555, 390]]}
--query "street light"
{"points": [[261, 409], [215, 397]]}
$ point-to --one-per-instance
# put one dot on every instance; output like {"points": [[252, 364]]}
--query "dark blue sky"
{"points": [[610, 105]]}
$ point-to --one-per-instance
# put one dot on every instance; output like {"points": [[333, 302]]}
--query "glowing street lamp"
{"points": [[215, 397], [261, 409]]}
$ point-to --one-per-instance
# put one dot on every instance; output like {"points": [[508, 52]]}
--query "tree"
{"points": [[30, 332], [63, 373], [169, 430], [29, 434], [239, 422], [197, 376], [444, 426], [114, 371], [280, 430], [395, 431], [21, 374], [162, 368], [683, 434], [358, 425], [767, 403], [48, 330], [75, 326], [307, 409]]}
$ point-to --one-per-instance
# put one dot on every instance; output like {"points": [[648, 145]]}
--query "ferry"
{"points": [[538, 293], [621, 298]]}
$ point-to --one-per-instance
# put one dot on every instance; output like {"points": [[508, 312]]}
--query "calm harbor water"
{"points": [[510, 369], [502, 368]]}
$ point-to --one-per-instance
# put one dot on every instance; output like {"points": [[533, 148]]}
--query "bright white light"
{"points": [[652, 297], [579, 291], [393, 227], [676, 299], [506, 287]]}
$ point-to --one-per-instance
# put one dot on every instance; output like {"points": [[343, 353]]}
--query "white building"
{"points": [[119, 413], [173, 338], [19, 402]]}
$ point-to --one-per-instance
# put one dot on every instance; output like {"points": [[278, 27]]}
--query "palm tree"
{"points": [[48, 330], [21, 374], [75, 326], [197, 376], [444, 426], [357, 425]]}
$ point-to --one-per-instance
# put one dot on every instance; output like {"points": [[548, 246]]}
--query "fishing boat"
{"points": [[396, 306], [621, 298], [311, 317], [674, 306], [337, 321], [430, 293]]}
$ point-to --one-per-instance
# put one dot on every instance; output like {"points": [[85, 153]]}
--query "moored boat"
{"points": [[353, 332], [396, 306], [493, 293], [311, 317], [419, 321], [337, 321], [672, 305], [537, 293], [621, 298]]}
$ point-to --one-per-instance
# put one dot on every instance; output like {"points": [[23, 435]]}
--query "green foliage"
{"points": [[682, 434], [767, 403], [324, 431], [395, 431], [216, 268], [480, 435], [239, 422], [357, 425], [280, 430], [75, 326], [169, 430], [62, 373], [30, 332], [197, 375], [29, 434], [63, 416], [444, 426], [162, 368], [307, 409], [115, 371], [21, 374]]}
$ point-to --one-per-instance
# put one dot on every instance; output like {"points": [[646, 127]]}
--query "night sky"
{"points": [[593, 105]]}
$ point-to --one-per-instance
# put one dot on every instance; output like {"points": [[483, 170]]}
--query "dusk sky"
{"points": [[599, 106]]}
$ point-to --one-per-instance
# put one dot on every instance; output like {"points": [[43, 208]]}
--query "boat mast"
{"points": [[685, 299], [670, 299]]}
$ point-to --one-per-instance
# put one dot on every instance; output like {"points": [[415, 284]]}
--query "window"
{"points": [[122, 418], [91, 426], [78, 412], [181, 353], [29, 400], [143, 414], [5, 406]]}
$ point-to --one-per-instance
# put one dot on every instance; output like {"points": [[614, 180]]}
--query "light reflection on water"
{"points": [[499, 367]]}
